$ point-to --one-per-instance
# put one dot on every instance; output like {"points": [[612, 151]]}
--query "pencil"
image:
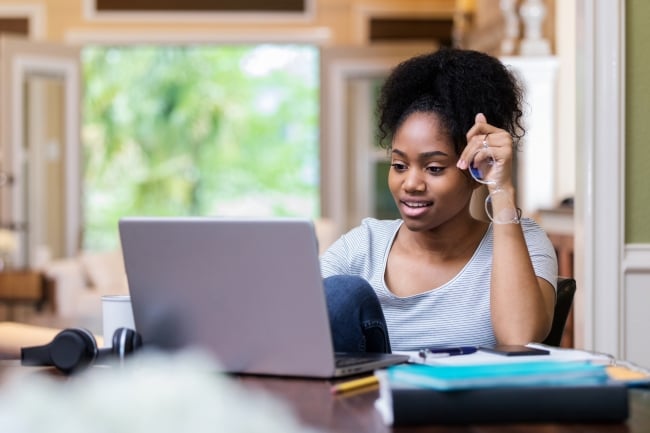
{"points": [[355, 384]]}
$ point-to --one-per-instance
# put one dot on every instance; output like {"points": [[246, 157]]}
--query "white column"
{"points": [[536, 158]]}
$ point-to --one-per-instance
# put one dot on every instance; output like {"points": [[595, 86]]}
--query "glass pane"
{"points": [[200, 130], [44, 169], [385, 207]]}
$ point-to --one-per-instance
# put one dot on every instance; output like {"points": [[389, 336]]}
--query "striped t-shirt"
{"points": [[456, 313]]}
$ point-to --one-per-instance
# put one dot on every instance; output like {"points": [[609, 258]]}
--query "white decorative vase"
{"points": [[532, 13]]}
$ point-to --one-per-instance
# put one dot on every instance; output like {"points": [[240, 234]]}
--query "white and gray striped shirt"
{"points": [[456, 313]]}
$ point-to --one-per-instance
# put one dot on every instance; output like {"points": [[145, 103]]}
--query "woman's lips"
{"points": [[413, 208]]}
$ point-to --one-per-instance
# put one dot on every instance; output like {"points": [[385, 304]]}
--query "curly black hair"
{"points": [[455, 84]]}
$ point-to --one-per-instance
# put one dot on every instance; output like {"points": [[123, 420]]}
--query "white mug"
{"points": [[116, 313]]}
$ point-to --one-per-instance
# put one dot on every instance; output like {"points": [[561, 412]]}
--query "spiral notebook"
{"points": [[248, 290]]}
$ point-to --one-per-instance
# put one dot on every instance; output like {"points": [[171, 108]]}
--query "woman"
{"points": [[438, 276]]}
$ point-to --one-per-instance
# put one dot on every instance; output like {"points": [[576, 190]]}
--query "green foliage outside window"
{"points": [[198, 130]]}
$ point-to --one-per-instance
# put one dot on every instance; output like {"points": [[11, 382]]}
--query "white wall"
{"points": [[565, 141]]}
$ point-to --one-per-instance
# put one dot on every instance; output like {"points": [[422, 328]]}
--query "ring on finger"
{"points": [[485, 141]]}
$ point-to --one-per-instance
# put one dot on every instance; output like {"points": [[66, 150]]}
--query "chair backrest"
{"points": [[566, 288]]}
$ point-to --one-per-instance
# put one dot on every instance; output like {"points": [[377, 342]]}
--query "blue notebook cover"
{"points": [[456, 377]]}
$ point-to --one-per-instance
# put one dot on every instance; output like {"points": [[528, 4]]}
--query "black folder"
{"points": [[582, 404]]}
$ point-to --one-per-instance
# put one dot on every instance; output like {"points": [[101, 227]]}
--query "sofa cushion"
{"points": [[70, 281], [105, 272]]}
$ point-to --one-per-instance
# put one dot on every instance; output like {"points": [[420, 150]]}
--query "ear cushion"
{"points": [[125, 341], [72, 349]]}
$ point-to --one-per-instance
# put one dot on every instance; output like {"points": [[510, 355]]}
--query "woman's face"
{"points": [[427, 187]]}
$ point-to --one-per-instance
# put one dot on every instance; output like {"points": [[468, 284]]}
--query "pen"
{"points": [[435, 352], [355, 384]]}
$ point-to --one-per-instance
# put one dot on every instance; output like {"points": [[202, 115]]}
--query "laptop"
{"points": [[247, 290]]}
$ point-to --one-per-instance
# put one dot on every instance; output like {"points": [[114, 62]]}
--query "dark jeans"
{"points": [[356, 317]]}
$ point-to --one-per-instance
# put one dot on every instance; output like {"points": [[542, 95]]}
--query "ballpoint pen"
{"points": [[439, 352]]}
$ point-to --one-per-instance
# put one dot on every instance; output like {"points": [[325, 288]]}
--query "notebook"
{"points": [[247, 290]]}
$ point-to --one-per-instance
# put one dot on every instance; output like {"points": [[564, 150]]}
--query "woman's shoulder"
{"points": [[535, 234], [373, 231], [531, 226], [379, 228], [362, 247], [380, 224]]}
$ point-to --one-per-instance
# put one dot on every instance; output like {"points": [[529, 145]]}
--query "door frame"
{"points": [[21, 57], [600, 200]]}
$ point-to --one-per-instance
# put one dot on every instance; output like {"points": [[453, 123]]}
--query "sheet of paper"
{"points": [[481, 357], [618, 370]]}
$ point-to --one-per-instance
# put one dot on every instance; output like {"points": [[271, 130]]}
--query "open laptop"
{"points": [[248, 290]]}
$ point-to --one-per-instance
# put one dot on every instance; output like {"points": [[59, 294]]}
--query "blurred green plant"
{"points": [[198, 130]]}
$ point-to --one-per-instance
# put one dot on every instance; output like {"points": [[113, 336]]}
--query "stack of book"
{"points": [[527, 391]]}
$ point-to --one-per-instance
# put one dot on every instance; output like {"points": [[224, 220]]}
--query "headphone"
{"points": [[74, 349]]}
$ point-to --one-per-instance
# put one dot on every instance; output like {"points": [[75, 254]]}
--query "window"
{"points": [[198, 130]]}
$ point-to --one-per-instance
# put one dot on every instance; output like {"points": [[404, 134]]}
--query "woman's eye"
{"points": [[435, 169], [398, 166]]}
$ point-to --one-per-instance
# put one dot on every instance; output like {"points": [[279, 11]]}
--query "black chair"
{"points": [[566, 288]]}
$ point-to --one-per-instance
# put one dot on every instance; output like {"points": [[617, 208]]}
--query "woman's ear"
{"points": [[477, 203]]}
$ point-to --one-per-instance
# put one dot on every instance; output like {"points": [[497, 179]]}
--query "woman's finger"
{"points": [[480, 127], [484, 139]]}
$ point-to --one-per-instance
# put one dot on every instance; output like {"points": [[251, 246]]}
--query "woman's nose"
{"points": [[414, 181]]}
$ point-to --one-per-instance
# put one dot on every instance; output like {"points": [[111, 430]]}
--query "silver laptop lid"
{"points": [[248, 290]]}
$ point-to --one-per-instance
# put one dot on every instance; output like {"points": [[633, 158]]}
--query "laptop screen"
{"points": [[247, 290]]}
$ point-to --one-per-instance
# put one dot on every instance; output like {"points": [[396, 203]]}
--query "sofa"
{"points": [[79, 283]]}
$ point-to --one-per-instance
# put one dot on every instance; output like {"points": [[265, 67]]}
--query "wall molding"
{"points": [[636, 258], [312, 35], [635, 299], [34, 12], [91, 13]]}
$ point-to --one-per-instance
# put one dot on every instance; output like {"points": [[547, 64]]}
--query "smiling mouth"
{"points": [[416, 204]]}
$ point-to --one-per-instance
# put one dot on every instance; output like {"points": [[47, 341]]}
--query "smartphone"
{"points": [[514, 350]]}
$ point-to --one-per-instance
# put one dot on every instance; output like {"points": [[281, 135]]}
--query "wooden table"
{"points": [[22, 287], [315, 406]]}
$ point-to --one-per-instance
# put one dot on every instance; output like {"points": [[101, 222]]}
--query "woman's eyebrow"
{"points": [[424, 155]]}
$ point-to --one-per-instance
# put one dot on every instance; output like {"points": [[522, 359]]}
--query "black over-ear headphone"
{"points": [[75, 348]]}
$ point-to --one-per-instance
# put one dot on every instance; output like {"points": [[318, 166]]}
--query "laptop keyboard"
{"points": [[348, 360]]}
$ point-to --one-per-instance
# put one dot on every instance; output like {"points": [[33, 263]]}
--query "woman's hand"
{"points": [[521, 303], [491, 150]]}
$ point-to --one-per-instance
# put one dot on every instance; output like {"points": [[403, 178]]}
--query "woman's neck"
{"points": [[447, 242]]}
